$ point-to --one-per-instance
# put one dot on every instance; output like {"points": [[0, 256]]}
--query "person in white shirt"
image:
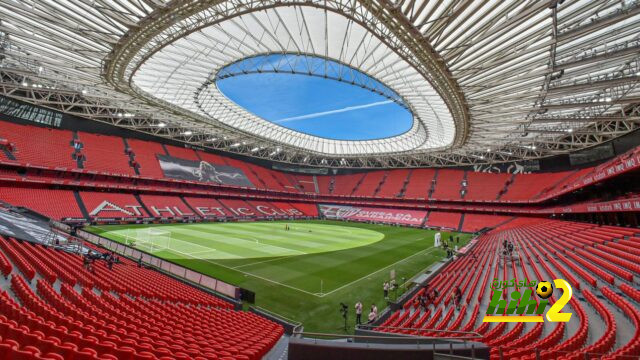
{"points": [[436, 242], [373, 313], [385, 289], [359, 313]]}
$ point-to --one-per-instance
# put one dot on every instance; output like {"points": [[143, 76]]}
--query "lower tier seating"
{"points": [[605, 302], [124, 312]]}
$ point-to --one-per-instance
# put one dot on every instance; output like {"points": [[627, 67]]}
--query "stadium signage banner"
{"points": [[356, 213], [620, 164], [632, 204], [24, 227], [108, 209], [194, 170]]}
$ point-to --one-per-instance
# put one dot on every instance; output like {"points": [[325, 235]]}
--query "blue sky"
{"points": [[317, 106]]}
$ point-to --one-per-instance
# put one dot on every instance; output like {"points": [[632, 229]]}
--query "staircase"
{"points": [[461, 222], [381, 183], [315, 184], [132, 157], [405, 184], [463, 185], [77, 154], [355, 188], [434, 182], [506, 186]]}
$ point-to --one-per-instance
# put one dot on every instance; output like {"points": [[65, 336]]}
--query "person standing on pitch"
{"points": [[385, 290], [359, 313], [373, 313]]}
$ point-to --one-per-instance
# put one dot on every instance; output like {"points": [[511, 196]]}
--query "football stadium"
{"points": [[312, 180]]}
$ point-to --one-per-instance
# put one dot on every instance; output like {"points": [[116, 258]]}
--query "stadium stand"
{"points": [[393, 183], [419, 184], [145, 157], [448, 185], [102, 153], [40, 146], [166, 206], [449, 220], [126, 312], [183, 153], [105, 153], [56, 204], [535, 241], [485, 186], [476, 222], [369, 184], [207, 207], [112, 205], [346, 184]]}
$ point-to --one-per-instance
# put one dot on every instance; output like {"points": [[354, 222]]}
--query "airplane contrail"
{"points": [[323, 113]]}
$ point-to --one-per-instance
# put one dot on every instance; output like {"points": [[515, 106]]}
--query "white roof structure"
{"points": [[486, 81]]}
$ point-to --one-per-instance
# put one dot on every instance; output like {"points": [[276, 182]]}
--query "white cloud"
{"points": [[330, 112]]}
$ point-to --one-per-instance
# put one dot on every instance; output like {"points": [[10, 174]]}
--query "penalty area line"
{"points": [[248, 274], [260, 262], [426, 251]]}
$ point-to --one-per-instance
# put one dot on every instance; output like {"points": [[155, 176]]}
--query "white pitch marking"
{"points": [[427, 251], [260, 262], [252, 275]]}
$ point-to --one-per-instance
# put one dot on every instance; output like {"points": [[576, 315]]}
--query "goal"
{"points": [[150, 240]]}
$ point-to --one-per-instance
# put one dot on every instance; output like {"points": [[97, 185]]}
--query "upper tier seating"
{"points": [[125, 312], [105, 153], [145, 155], [182, 153], [393, 183], [40, 146], [345, 184], [419, 184], [325, 185], [213, 158], [448, 185], [485, 186], [526, 186], [304, 182], [369, 184]]}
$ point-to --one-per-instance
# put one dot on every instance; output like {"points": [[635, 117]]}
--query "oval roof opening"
{"points": [[340, 104]]}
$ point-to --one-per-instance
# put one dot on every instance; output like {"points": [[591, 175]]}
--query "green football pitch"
{"points": [[302, 273]]}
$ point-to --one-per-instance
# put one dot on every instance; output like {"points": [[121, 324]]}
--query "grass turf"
{"points": [[286, 269]]}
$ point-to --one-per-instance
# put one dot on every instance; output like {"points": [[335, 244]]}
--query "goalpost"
{"points": [[150, 240]]}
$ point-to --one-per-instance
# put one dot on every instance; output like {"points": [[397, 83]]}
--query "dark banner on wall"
{"points": [[193, 170]]}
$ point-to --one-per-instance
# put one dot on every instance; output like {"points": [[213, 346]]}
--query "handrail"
{"points": [[296, 326], [374, 327], [379, 337]]}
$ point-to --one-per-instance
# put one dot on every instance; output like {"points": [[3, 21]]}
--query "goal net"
{"points": [[149, 240]]}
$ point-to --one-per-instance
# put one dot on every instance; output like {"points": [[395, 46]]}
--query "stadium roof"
{"points": [[486, 81]]}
